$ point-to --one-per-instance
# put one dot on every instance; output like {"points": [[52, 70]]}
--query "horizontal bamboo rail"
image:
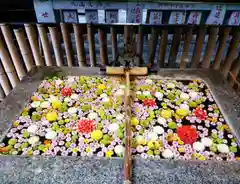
{"points": [[170, 46]]}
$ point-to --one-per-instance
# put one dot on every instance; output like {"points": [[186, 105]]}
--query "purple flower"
{"points": [[100, 154], [68, 139], [73, 145]]}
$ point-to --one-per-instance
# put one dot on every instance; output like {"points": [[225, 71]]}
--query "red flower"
{"points": [[187, 134], [200, 113], [66, 92], [86, 126], [149, 102]]}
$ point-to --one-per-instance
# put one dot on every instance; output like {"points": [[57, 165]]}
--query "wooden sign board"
{"points": [[217, 14], [91, 16], [234, 19], [155, 17], [111, 16], [194, 17], [177, 17]]}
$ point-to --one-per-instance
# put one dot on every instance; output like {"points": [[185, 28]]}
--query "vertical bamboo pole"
{"points": [[13, 51], [2, 94], [126, 34], [24, 48], [231, 53], [114, 43], [7, 64], [67, 44], [234, 72], [163, 48], [79, 44], [174, 48], [56, 45], [45, 45], [188, 38], [4, 81], [91, 43], [211, 45], [33, 40], [222, 45], [140, 43], [153, 46], [103, 47], [128, 133], [198, 47]]}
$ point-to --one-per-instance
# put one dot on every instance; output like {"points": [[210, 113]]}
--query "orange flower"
{"points": [[47, 142]]}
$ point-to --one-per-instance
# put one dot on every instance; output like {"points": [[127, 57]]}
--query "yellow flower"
{"points": [[51, 116], [101, 86], [181, 149], [88, 149], [201, 158], [109, 153], [97, 135], [56, 104]]}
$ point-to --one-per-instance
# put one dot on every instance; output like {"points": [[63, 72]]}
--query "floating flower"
{"points": [[45, 105], [207, 141], [33, 140], [97, 135], [72, 110], [92, 115], [200, 113], [193, 95], [184, 96], [149, 102], [101, 86], [187, 134], [86, 126], [51, 116], [198, 146], [50, 135], [35, 104], [74, 96], [166, 114], [158, 129], [153, 136], [158, 95], [119, 150], [223, 148], [113, 127], [66, 91], [161, 121], [32, 129], [167, 153]]}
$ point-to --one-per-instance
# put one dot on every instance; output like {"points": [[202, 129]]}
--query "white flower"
{"points": [[74, 96], [58, 82], [32, 129], [184, 96], [50, 135], [223, 148], [138, 93], [53, 98], [152, 136], [120, 117], [140, 139], [167, 153], [119, 92], [148, 81], [103, 95], [92, 115], [161, 121], [170, 85], [158, 129], [45, 105], [193, 95], [71, 79], [35, 104], [113, 127], [67, 99], [184, 106], [198, 146], [140, 148], [207, 141], [45, 122], [158, 95], [33, 140], [146, 93], [106, 99], [122, 86], [119, 150], [72, 110]]}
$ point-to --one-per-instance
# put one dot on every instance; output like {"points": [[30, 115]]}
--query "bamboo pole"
{"points": [[140, 43], [2, 94], [222, 46], [235, 71], [188, 38], [24, 48], [231, 53], [79, 45], [103, 46], [211, 45], [128, 133], [67, 43], [114, 43], [4, 81], [126, 34], [153, 45], [33, 40], [91, 42], [174, 47], [45, 45], [13, 50], [56, 45], [7, 64], [163, 48], [198, 47]]}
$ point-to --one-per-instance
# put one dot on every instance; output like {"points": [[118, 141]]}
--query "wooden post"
{"points": [[45, 45], [140, 43], [188, 38], [4, 81], [231, 53], [153, 45], [211, 45], [174, 48], [33, 40], [222, 45], [103, 47], [2, 94], [79, 44], [7, 64], [91, 43], [235, 71], [67, 44], [24, 48], [114, 43], [126, 34], [198, 47], [56, 45], [13, 51], [163, 48]]}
